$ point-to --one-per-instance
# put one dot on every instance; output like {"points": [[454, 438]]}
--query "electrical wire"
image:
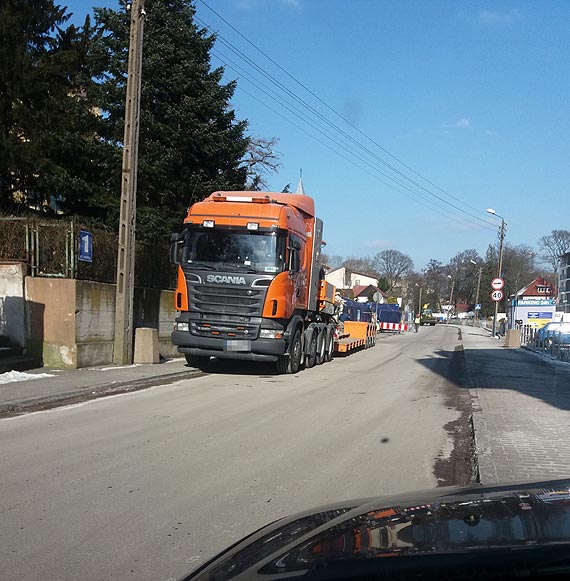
{"points": [[318, 114], [227, 62]]}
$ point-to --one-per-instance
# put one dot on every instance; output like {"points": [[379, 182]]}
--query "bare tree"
{"points": [[464, 269], [361, 265], [393, 265], [553, 245], [260, 160]]}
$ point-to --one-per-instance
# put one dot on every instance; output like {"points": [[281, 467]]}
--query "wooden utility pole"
{"points": [[123, 348], [477, 295], [499, 269]]}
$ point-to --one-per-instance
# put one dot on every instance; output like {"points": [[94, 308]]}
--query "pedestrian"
{"points": [[417, 322], [502, 327]]}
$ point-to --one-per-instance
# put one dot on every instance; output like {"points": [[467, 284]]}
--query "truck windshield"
{"points": [[262, 252]]}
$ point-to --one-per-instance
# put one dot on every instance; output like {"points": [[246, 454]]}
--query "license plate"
{"points": [[237, 345]]}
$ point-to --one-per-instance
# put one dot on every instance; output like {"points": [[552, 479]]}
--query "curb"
{"points": [[85, 393]]}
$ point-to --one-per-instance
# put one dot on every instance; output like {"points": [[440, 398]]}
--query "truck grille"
{"points": [[237, 301], [225, 312]]}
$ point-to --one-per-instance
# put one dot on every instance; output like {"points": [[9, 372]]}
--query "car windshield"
{"points": [[321, 250], [255, 251]]}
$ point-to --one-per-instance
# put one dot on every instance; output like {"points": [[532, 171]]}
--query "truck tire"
{"points": [[322, 345], [290, 363], [201, 362], [311, 354], [329, 351]]}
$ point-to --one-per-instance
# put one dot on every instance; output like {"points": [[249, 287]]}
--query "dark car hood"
{"points": [[445, 522]]}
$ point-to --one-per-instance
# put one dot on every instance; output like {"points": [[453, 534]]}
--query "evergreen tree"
{"points": [[48, 137], [190, 140]]}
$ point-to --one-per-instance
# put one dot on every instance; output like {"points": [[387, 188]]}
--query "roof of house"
{"points": [[540, 286], [361, 289]]}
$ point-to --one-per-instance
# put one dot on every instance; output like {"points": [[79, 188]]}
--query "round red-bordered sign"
{"points": [[497, 283], [497, 295]]}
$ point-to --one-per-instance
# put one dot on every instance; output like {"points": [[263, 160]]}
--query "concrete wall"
{"points": [[95, 323], [51, 306], [72, 322], [155, 308], [12, 303]]}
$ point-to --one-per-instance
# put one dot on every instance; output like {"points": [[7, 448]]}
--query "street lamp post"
{"points": [[420, 300], [500, 268], [477, 293], [450, 297]]}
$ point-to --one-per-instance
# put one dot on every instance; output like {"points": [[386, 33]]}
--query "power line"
{"points": [[314, 111], [239, 70]]}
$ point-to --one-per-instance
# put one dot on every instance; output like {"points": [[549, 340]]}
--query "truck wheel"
{"points": [[199, 361], [311, 354], [330, 344], [290, 363]]}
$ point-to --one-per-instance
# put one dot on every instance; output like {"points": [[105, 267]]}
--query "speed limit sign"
{"points": [[497, 283], [497, 295]]}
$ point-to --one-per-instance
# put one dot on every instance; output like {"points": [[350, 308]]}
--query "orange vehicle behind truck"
{"points": [[250, 281]]}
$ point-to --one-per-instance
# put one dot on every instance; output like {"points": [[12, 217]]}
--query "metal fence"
{"points": [[50, 248], [553, 345]]}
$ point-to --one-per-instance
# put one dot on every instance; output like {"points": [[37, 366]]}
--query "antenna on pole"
{"points": [[300, 189]]}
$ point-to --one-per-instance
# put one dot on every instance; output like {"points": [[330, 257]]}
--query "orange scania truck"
{"points": [[250, 282]]}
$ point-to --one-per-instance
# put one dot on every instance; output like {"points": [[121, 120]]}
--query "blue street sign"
{"points": [[85, 246], [477, 307]]}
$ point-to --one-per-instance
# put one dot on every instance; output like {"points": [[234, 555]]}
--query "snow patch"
{"points": [[12, 376]]}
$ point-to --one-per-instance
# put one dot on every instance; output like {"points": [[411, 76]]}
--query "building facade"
{"points": [[564, 283], [344, 279]]}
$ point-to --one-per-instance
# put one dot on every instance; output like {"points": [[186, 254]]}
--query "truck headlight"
{"points": [[181, 327], [270, 334]]}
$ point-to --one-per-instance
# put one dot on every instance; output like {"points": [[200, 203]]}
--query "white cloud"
{"points": [[378, 244], [497, 17], [462, 123]]}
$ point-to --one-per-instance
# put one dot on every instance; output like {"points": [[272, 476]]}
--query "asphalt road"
{"points": [[148, 485]]}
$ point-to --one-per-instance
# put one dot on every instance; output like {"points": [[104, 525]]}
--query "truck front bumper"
{"points": [[257, 349]]}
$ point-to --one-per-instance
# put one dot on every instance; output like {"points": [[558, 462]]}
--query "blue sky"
{"points": [[472, 96]]}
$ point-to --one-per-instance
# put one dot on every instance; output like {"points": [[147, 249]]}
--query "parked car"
{"points": [[553, 333]]}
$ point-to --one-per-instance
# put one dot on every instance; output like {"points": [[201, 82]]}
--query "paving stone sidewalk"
{"points": [[521, 410]]}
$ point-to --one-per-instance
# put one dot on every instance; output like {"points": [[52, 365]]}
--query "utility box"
{"points": [[146, 345], [513, 339]]}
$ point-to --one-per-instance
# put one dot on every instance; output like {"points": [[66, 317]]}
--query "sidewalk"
{"points": [[521, 410], [54, 387]]}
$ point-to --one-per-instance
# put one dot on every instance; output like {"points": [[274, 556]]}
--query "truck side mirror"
{"points": [[175, 248], [294, 256]]}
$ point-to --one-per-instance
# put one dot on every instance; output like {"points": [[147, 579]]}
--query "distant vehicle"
{"points": [[427, 318], [510, 531], [553, 333]]}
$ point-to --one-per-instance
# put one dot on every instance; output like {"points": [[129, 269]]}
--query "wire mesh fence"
{"points": [[51, 249]]}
